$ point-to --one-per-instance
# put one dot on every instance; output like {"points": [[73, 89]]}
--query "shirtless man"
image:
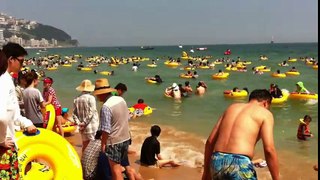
{"points": [[230, 146]]}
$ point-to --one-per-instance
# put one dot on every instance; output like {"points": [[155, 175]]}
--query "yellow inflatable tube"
{"points": [[295, 95], [231, 94], [151, 81], [52, 148], [222, 76], [86, 69], [284, 98], [107, 73], [148, 110], [280, 75], [50, 116], [152, 65], [182, 75], [67, 65], [52, 69], [293, 73]]}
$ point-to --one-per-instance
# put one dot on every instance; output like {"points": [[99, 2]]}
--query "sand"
{"points": [[291, 166]]}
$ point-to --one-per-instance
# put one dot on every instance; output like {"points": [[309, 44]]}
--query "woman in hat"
{"points": [[50, 97], [85, 112]]}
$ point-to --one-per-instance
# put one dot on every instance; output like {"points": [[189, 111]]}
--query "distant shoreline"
{"points": [[199, 45]]}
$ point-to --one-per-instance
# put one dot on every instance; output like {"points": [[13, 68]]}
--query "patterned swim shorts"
{"points": [[231, 166], [9, 167]]}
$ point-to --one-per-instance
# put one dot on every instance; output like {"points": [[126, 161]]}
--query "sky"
{"points": [[173, 22]]}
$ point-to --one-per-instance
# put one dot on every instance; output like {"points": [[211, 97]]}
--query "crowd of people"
{"points": [[106, 137]]}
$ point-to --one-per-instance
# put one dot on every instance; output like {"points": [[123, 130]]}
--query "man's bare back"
{"points": [[239, 128], [230, 147]]}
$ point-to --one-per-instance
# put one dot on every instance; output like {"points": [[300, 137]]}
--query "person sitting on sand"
{"points": [[301, 88], [304, 132], [151, 149], [201, 88]]}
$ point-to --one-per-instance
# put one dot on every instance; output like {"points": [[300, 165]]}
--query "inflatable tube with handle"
{"points": [[50, 116], [52, 148]]}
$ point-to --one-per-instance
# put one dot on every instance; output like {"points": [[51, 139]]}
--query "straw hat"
{"points": [[102, 87], [85, 85]]}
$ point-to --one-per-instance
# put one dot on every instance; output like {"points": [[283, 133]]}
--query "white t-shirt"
{"points": [[9, 109]]}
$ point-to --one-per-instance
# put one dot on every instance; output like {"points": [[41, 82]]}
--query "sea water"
{"points": [[187, 123]]}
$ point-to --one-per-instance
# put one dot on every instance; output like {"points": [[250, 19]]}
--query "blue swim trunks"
{"points": [[231, 166]]}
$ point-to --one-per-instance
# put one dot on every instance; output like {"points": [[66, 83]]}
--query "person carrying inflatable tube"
{"points": [[301, 88]]}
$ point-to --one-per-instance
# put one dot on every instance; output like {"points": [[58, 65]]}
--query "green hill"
{"points": [[44, 31]]}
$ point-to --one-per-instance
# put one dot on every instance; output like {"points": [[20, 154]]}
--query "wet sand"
{"points": [[291, 166]]}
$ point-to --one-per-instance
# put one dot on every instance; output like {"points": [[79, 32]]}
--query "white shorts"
{"points": [[87, 137]]}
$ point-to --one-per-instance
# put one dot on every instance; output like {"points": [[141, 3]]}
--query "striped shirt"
{"points": [[84, 110]]}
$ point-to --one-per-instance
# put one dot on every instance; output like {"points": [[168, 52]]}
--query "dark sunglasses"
{"points": [[20, 60]]}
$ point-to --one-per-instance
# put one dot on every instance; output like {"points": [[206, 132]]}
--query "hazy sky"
{"points": [[173, 22]]}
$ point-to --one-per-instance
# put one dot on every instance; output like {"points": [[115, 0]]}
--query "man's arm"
{"points": [[105, 125], [268, 146], [211, 141]]}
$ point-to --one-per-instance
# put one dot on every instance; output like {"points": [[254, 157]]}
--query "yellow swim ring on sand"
{"points": [[293, 73], [52, 148], [284, 98], [220, 76], [279, 75]]}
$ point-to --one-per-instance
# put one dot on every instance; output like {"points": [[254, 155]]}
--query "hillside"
{"points": [[43, 31]]}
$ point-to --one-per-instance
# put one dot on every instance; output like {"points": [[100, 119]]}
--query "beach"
{"points": [[287, 160], [186, 124]]}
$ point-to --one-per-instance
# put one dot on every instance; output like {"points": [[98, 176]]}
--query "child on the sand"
{"points": [[151, 148], [304, 128]]}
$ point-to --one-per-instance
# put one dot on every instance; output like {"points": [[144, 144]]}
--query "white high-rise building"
{"points": [[2, 41], [1, 35]]}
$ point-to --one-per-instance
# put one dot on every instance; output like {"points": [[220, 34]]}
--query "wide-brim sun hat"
{"points": [[102, 86], [86, 85]]}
